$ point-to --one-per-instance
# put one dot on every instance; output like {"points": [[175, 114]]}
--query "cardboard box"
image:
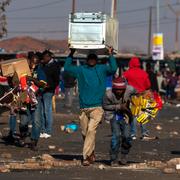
{"points": [[18, 66]]}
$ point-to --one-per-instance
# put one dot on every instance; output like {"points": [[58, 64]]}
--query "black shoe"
{"points": [[33, 145], [114, 163], [123, 159], [9, 138], [21, 143], [133, 137], [86, 162]]}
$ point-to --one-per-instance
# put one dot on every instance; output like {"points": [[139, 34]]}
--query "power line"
{"points": [[59, 1], [37, 6], [143, 9], [37, 32], [145, 24], [37, 18], [133, 10], [123, 26], [142, 22]]}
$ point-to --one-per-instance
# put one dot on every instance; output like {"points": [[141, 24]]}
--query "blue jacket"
{"points": [[91, 81]]}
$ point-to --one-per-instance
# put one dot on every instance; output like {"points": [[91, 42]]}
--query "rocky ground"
{"points": [[60, 156]]}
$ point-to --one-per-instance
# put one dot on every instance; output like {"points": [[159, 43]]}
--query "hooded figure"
{"points": [[137, 77]]}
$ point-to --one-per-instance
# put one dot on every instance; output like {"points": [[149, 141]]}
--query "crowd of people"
{"points": [[170, 84], [98, 100]]}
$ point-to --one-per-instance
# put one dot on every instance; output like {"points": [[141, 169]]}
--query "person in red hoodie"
{"points": [[139, 79]]}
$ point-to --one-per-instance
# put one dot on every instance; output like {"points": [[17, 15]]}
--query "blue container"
{"points": [[72, 127], [119, 117]]}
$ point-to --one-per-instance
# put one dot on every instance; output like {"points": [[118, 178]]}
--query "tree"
{"points": [[3, 21]]}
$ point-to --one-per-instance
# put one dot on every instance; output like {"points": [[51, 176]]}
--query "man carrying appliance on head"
{"points": [[91, 79]]}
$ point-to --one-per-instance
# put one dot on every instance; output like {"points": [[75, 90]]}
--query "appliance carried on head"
{"points": [[93, 30]]}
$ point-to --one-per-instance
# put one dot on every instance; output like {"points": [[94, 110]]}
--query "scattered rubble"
{"points": [[47, 157], [6, 155], [47, 162], [6, 129], [171, 121], [4, 169], [61, 150], [173, 162], [150, 153], [178, 166], [52, 147], [159, 128], [156, 164], [44, 162], [174, 133], [176, 118], [101, 167], [169, 170]]}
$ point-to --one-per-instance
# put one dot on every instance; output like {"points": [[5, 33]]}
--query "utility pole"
{"points": [[113, 8], [73, 6], [150, 32], [157, 13], [177, 33], [177, 14]]}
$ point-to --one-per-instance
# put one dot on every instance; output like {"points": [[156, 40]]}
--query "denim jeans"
{"points": [[37, 123], [12, 123], [68, 97], [26, 118], [133, 129], [46, 113], [121, 140]]}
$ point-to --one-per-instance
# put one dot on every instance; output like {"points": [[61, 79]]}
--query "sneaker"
{"points": [[114, 163], [42, 135], [21, 143], [46, 136], [133, 137], [33, 145], [9, 139], [123, 159]]}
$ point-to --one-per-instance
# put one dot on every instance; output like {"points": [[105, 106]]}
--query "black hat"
{"points": [[48, 52]]}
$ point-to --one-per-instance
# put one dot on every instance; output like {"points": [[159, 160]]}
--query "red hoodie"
{"points": [[137, 77]]}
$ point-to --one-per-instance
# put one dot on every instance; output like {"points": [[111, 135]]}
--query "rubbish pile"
{"points": [[47, 162], [43, 162]]}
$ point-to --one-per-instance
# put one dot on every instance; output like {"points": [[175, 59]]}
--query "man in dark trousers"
{"points": [[69, 84], [152, 78], [51, 69], [115, 104]]}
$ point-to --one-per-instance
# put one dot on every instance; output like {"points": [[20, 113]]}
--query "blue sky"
{"points": [[48, 19]]}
